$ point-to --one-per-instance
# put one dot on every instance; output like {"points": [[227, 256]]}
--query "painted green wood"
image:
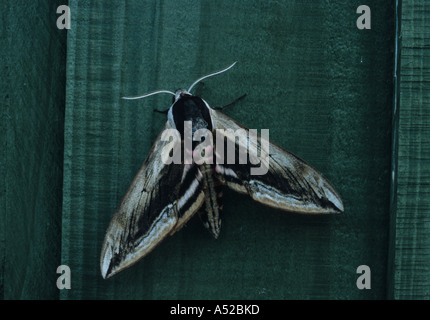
{"points": [[322, 87], [412, 225], [32, 95]]}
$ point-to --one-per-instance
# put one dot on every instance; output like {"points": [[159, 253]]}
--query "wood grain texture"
{"points": [[32, 93], [412, 225], [322, 87]]}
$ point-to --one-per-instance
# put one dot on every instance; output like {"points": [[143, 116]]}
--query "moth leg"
{"points": [[229, 104], [203, 215], [199, 89], [162, 111]]}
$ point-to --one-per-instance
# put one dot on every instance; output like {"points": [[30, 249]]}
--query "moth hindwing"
{"points": [[199, 151]]}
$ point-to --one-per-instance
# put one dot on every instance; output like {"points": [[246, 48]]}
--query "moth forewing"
{"points": [[290, 183], [146, 214], [317, 194]]}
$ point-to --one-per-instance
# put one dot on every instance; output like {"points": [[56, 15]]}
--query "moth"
{"points": [[165, 195]]}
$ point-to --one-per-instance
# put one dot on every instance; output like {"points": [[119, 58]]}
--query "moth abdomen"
{"points": [[210, 213]]}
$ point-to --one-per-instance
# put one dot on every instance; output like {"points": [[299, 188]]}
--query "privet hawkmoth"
{"points": [[173, 185]]}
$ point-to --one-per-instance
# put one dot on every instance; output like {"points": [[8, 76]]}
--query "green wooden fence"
{"points": [[353, 103]]}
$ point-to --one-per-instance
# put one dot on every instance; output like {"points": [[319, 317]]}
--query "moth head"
{"points": [[180, 93]]}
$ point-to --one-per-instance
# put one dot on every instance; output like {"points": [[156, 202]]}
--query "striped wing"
{"points": [[158, 203], [290, 183]]}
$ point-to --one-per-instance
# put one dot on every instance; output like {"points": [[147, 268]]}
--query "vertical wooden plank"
{"points": [[32, 114], [3, 143], [412, 244], [394, 154]]}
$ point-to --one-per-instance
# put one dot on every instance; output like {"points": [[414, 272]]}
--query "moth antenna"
{"points": [[148, 94], [210, 75]]}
